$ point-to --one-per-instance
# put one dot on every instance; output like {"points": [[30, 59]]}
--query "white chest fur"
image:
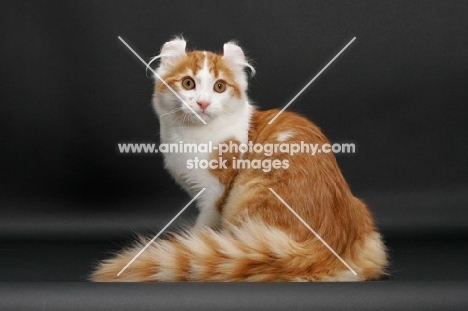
{"points": [[193, 179]]}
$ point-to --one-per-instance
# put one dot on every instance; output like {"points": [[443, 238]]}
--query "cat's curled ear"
{"points": [[233, 54], [172, 51]]}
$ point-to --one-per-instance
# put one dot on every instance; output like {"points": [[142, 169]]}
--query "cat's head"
{"points": [[209, 84]]}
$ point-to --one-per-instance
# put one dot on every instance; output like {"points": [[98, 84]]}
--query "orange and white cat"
{"points": [[243, 231]]}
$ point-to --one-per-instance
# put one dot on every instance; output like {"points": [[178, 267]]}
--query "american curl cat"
{"points": [[244, 232]]}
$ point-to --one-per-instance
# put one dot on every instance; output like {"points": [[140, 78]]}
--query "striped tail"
{"points": [[250, 252]]}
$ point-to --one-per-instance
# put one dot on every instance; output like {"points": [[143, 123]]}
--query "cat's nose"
{"points": [[203, 105]]}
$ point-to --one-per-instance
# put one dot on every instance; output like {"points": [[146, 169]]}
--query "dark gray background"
{"points": [[71, 91]]}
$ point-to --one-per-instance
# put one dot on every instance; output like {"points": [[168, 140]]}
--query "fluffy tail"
{"points": [[251, 252]]}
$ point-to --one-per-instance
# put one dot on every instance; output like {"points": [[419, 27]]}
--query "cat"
{"points": [[243, 231]]}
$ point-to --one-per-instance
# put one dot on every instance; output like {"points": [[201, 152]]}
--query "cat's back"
{"points": [[268, 126]]}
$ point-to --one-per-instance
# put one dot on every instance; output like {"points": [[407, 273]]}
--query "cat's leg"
{"points": [[208, 217], [207, 205], [208, 202]]}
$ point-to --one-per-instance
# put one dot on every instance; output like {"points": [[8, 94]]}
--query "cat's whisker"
{"points": [[171, 112], [185, 120], [178, 118]]}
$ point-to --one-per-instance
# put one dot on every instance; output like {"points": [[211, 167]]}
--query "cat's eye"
{"points": [[188, 83], [220, 86]]}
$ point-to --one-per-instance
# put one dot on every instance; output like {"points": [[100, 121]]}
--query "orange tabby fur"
{"points": [[194, 61], [259, 239]]}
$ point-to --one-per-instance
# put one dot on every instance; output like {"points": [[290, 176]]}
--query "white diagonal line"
{"points": [[310, 82], [312, 230], [162, 230], [161, 79]]}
